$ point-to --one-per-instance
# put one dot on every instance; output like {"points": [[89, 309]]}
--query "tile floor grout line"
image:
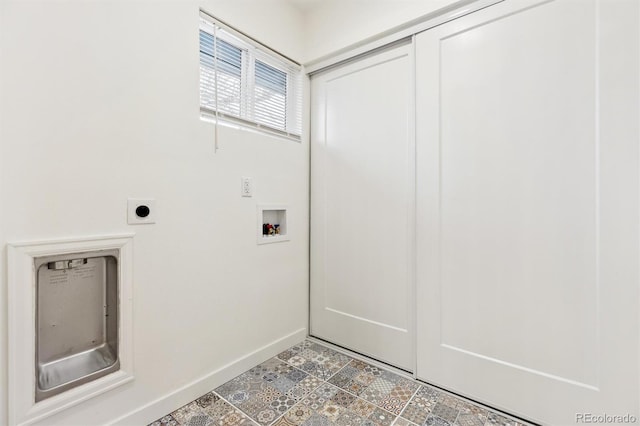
{"points": [[351, 359], [414, 381], [297, 368], [306, 372], [408, 402], [297, 402], [339, 388], [278, 418], [458, 415], [324, 382], [234, 406], [358, 396], [372, 403]]}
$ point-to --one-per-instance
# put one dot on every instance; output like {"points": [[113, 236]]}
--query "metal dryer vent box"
{"points": [[76, 320]]}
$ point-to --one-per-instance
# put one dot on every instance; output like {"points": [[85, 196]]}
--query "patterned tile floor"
{"points": [[313, 385]]}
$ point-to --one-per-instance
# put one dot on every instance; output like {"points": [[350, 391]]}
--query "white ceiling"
{"points": [[305, 4]]}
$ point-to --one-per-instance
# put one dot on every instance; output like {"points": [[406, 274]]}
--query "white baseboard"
{"points": [[176, 399]]}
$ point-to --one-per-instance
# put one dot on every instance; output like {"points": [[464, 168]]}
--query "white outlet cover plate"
{"points": [[246, 186], [133, 204]]}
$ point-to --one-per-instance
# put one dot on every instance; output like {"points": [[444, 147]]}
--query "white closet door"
{"points": [[362, 206], [527, 207]]}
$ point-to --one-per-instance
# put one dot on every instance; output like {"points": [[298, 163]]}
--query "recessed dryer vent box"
{"points": [[70, 328], [76, 320]]}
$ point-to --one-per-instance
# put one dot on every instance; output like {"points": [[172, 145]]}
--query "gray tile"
{"points": [[283, 403], [365, 379], [283, 384], [268, 393], [297, 392], [495, 419], [238, 397], [451, 401], [167, 420], [403, 422], [349, 418], [355, 387], [415, 413], [402, 392], [286, 355], [266, 416], [315, 400], [317, 420], [326, 391], [393, 405], [362, 408], [343, 399], [331, 410], [310, 383], [231, 387], [218, 409], [373, 370], [349, 371], [372, 395], [384, 386], [298, 414], [315, 359], [259, 371], [252, 407], [234, 418], [470, 408], [470, 420], [436, 421], [382, 417], [340, 380], [283, 421], [183, 414], [283, 368], [445, 412], [427, 392], [207, 399], [391, 377], [296, 375], [200, 420], [273, 364]]}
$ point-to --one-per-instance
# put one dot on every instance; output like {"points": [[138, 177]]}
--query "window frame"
{"points": [[253, 51]]}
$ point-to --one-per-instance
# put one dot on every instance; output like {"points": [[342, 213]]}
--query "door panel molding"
{"points": [[362, 206], [402, 330], [520, 367]]}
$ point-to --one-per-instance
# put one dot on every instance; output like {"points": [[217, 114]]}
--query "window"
{"points": [[244, 82]]}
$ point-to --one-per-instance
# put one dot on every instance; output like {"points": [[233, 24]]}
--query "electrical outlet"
{"points": [[246, 188], [141, 211]]}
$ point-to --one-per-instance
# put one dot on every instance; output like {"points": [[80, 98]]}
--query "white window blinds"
{"points": [[243, 82]]}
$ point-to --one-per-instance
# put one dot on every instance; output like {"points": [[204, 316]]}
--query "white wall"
{"points": [[332, 25], [98, 103]]}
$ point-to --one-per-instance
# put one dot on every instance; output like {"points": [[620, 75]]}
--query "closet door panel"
{"points": [[362, 206], [527, 207]]}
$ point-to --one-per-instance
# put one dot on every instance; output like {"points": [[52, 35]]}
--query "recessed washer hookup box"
{"points": [[76, 320]]}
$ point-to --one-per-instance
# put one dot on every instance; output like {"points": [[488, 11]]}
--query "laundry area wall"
{"points": [[99, 103]]}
